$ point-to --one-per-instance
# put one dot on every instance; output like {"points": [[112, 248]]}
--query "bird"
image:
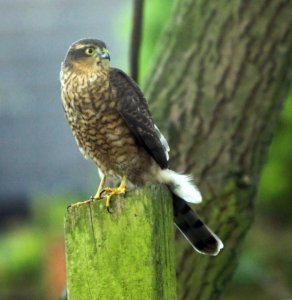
{"points": [[112, 124]]}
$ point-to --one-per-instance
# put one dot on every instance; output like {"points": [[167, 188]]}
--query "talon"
{"points": [[114, 191], [109, 210], [107, 204]]}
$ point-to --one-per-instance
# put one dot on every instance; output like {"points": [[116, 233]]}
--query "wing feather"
{"points": [[133, 108]]}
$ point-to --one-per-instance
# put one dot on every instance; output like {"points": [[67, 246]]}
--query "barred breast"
{"points": [[90, 105]]}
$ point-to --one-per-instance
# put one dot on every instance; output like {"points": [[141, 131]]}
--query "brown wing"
{"points": [[134, 110]]}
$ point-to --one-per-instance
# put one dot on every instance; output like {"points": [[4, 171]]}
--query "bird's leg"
{"points": [[97, 196], [115, 191]]}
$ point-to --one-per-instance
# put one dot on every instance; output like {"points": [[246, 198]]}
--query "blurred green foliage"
{"points": [[275, 188], [156, 14], [24, 247], [155, 17], [20, 256]]}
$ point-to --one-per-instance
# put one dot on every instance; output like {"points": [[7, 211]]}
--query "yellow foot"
{"points": [[96, 197], [86, 202], [110, 192], [78, 204], [114, 191]]}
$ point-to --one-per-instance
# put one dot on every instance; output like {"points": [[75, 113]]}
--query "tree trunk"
{"points": [[216, 86]]}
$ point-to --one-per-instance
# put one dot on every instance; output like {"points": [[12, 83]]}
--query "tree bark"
{"points": [[216, 88]]}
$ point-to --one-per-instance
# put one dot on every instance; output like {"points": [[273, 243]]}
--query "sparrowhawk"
{"points": [[112, 124]]}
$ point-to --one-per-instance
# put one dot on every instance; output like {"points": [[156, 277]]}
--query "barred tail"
{"points": [[192, 227]]}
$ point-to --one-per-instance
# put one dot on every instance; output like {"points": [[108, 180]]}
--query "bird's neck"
{"points": [[69, 73]]}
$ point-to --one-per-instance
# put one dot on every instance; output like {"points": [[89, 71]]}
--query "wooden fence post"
{"points": [[128, 254]]}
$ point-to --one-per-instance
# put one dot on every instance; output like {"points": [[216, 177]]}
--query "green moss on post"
{"points": [[128, 254]]}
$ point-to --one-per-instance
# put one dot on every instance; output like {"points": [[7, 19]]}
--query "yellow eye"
{"points": [[89, 51]]}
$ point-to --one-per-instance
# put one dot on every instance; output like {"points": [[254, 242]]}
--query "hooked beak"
{"points": [[106, 55]]}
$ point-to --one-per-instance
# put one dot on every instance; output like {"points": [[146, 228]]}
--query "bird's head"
{"points": [[88, 55]]}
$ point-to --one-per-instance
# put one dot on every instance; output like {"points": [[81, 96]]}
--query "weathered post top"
{"points": [[128, 254]]}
